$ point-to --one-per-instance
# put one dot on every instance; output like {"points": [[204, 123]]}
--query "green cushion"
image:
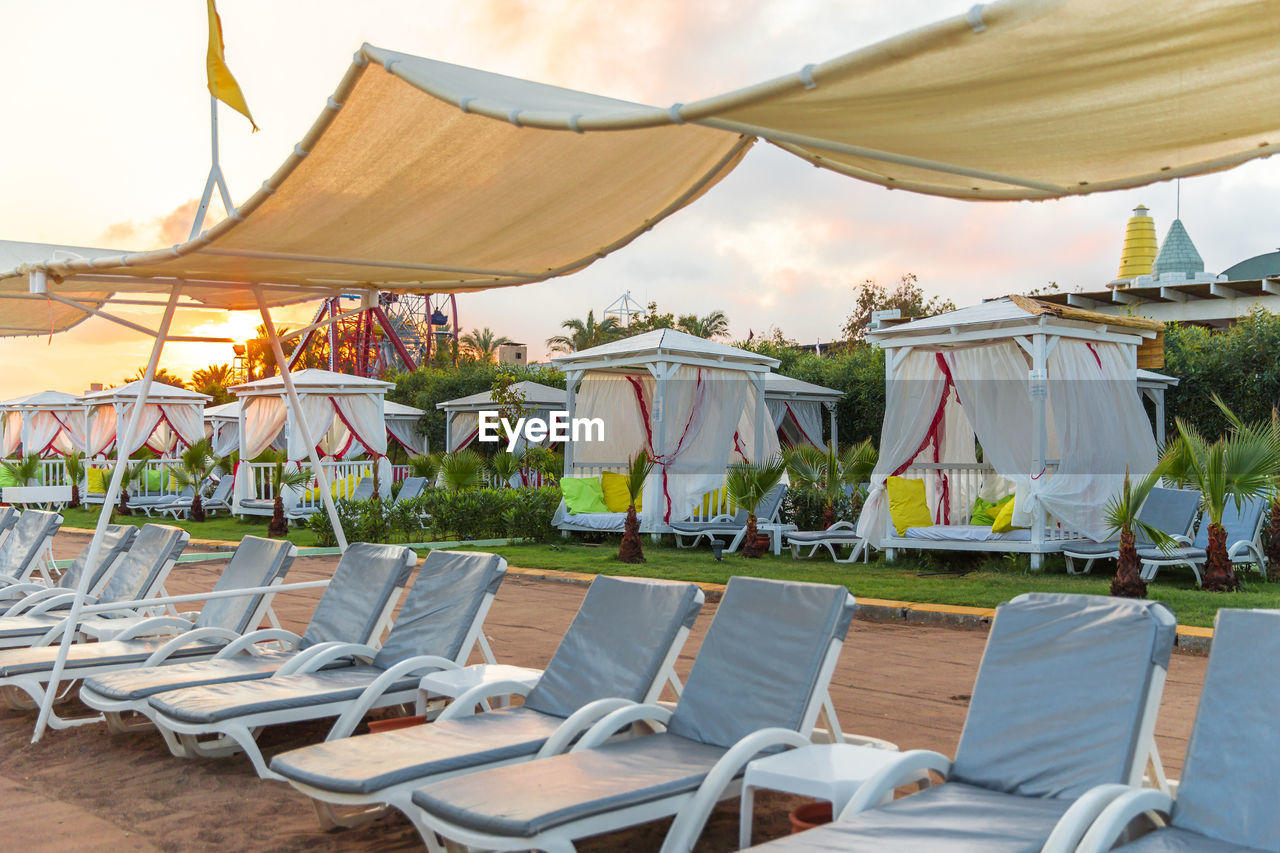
{"points": [[984, 511], [155, 480], [583, 494]]}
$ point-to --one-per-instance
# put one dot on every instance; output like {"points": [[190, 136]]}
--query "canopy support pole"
{"points": [[215, 175], [104, 516], [322, 478], [1040, 439], [835, 434]]}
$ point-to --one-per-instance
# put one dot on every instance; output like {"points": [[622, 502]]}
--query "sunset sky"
{"points": [[107, 144]]}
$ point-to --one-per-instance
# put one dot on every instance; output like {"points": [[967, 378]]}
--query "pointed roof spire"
{"points": [[1177, 253]]}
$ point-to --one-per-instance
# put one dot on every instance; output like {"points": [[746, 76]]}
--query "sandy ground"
{"points": [[86, 789]]}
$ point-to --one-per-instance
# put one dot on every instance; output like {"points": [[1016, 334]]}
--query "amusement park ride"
{"points": [[398, 333]]}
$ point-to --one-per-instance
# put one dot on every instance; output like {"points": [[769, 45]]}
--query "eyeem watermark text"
{"points": [[560, 427]]}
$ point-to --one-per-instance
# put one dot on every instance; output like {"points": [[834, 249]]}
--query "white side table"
{"points": [[824, 771], [452, 683], [775, 533]]}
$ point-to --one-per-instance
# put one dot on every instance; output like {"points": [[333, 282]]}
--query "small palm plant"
{"points": [[130, 474], [26, 470], [461, 470], [1272, 548], [748, 483], [196, 465], [504, 466], [1121, 515], [74, 463], [1238, 466], [857, 463], [631, 550], [282, 478], [426, 467]]}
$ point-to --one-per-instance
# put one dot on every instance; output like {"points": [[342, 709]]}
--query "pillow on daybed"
{"points": [[984, 511], [907, 504], [1004, 520], [614, 486], [583, 494], [96, 481]]}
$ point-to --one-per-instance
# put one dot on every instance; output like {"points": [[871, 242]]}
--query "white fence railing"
{"points": [[715, 502], [155, 478], [955, 485], [344, 477]]}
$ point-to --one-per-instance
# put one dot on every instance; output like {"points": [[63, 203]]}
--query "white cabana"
{"points": [[462, 415], [172, 418], [1049, 393], [44, 423], [796, 408], [345, 414], [694, 405], [222, 427], [402, 426], [1152, 386]]}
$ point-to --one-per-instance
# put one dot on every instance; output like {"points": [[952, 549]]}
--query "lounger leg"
{"points": [[331, 820], [746, 816]]}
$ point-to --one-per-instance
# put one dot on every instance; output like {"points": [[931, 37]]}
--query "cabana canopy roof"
{"points": [[312, 381], [400, 410], [428, 177], [779, 387], [159, 394], [664, 345], [225, 412], [536, 395], [48, 401]]}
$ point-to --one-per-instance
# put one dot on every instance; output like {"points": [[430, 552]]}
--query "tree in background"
{"points": [[214, 381], [162, 376], [584, 334], [74, 463], [710, 326], [260, 360], [748, 483], [631, 550], [483, 343], [1121, 515], [907, 296], [196, 466]]}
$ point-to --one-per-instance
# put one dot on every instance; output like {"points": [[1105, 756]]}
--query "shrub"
{"points": [[804, 507]]}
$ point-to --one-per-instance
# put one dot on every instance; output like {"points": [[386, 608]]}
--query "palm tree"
{"points": [[74, 463], [748, 483], [282, 478], [197, 463], [483, 343], [1238, 466], [130, 475], [461, 470], [26, 470], [504, 466], [830, 473], [426, 467], [1272, 548], [1121, 515], [584, 334], [162, 376], [214, 380], [631, 550], [711, 326]]}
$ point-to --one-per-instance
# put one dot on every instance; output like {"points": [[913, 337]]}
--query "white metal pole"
{"points": [[104, 516], [322, 479], [835, 435]]}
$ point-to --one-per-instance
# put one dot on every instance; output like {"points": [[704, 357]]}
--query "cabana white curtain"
{"points": [[405, 431], [102, 429], [264, 417], [801, 420], [612, 397], [12, 436], [701, 419], [362, 416], [744, 442], [463, 429]]}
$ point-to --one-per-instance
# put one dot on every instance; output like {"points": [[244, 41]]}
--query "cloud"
{"points": [[158, 232]]}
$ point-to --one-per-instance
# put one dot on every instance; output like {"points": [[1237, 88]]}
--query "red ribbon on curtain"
{"points": [[662, 461], [796, 421], [350, 429], [933, 435]]}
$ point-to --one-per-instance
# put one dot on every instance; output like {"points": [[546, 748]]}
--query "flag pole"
{"points": [[215, 174]]}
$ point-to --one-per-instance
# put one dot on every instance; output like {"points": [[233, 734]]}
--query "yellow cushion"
{"points": [[337, 488], [907, 504], [616, 498], [1004, 519], [96, 480]]}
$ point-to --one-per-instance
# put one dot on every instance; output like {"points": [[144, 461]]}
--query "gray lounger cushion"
{"points": [[22, 545], [1174, 840], [615, 647], [522, 800], [758, 668], [841, 535], [112, 652], [693, 527], [950, 818], [115, 539], [367, 763], [1235, 737], [257, 562], [213, 703], [1059, 694], [366, 577], [435, 619]]}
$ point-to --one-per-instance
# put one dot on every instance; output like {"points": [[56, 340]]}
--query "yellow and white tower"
{"points": [[1140, 247]]}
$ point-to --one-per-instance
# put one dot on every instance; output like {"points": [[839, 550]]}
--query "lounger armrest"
{"points": [[1072, 826], [323, 654], [578, 722], [137, 629], [189, 638], [56, 600], [906, 769], [1121, 811], [693, 815], [616, 721], [1246, 546], [32, 594], [1185, 541], [464, 705], [351, 717], [841, 525], [248, 642]]}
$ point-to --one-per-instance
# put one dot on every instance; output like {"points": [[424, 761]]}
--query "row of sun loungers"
{"points": [[1052, 763]]}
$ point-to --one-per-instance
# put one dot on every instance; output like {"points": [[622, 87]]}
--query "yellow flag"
{"points": [[222, 85]]}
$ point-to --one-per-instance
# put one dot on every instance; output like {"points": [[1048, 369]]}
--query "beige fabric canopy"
{"points": [[429, 177]]}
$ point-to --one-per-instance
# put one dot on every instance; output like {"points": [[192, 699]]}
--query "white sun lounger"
{"points": [[729, 527], [437, 628], [29, 547], [1244, 531], [116, 540], [1065, 701], [8, 518], [356, 607], [137, 577], [839, 535], [1172, 511], [1224, 803], [758, 684], [621, 648], [257, 564]]}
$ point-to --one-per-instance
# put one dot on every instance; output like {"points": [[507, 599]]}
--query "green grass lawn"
{"points": [[220, 527], [926, 578]]}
